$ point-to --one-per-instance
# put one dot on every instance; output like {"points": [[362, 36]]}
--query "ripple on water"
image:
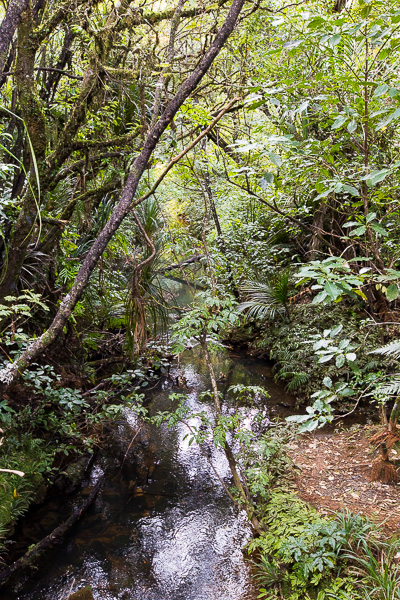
{"points": [[178, 539]]}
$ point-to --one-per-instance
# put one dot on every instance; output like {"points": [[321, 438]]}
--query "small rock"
{"points": [[83, 594]]}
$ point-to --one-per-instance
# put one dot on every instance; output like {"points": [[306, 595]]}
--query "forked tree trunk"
{"points": [[126, 202]]}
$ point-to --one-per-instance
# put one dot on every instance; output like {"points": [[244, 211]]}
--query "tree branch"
{"points": [[178, 157], [11, 371]]}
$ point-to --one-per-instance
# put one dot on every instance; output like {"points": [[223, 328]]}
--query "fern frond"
{"points": [[391, 388], [299, 379], [390, 349]]}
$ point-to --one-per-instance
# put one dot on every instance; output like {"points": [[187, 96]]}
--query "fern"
{"points": [[390, 349], [266, 300], [391, 388], [298, 380]]}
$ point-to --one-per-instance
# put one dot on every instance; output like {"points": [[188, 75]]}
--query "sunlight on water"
{"points": [[173, 537]]}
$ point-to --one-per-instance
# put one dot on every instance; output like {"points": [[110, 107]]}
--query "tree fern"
{"points": [[390, 388]]}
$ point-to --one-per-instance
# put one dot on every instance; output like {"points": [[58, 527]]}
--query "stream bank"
{"points": [[168, 532], [163, 528], [335, 474]]}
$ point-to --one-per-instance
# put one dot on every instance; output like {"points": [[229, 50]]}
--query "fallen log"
{"points": [[55, 537]]}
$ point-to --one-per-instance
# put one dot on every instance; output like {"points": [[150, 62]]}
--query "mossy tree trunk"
{"points": [[126, 202]]}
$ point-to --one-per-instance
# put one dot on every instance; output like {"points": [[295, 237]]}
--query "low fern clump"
{"points": [[32, 458], [302, 554]]}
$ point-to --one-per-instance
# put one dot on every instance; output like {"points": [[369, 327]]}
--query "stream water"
{"points": [[168, 532]]}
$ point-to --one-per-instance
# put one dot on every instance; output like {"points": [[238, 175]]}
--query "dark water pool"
{"points": [[170, 535]]}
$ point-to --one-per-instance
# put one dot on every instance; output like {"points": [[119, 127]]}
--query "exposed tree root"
{"points": [[387, 437]]}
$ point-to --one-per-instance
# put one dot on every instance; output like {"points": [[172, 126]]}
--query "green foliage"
{"points": [[334, 278], [304, 555], [299, 553], [211, 315], [266, 300]]}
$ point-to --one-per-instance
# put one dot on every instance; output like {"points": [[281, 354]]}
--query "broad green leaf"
{"points": [[388, 119], [320, 297], [380, 90], [302, 106], [310, 426], [350, 224], [376, 177], [343, 344], [327, 381], [334, 40], [384, 53], [292, 44], [392, 292], [379, 229], [359, 231], [340, 360], [325, 358], [247, 147], [352, 126], [275, 159], [267, 180], [297, 418], [339, 121], [336, 330], [332, 290]]}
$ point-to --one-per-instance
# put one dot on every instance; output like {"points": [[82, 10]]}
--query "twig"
{"points": [[70, 590], [53, 70], [132, 440], [356, 404]]}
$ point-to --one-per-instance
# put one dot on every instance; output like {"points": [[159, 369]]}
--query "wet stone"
{"points": [[83, 594]]}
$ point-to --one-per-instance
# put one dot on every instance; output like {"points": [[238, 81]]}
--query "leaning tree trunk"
{"points": [[394, 416], [10, 373], [9, 26]]}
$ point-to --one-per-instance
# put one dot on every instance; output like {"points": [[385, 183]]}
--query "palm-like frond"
{"points": [[266, 299], [145, 303]]}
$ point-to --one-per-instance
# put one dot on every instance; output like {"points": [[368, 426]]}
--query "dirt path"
{"points": [[335, 474]]}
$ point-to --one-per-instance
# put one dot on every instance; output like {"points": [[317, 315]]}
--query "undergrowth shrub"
{"points": [[290, 345], [302, 554]]}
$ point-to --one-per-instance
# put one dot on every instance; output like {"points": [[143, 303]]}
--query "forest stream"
{"points": [[175, 537]]}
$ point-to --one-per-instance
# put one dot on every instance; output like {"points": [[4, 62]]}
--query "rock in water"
{"points": [[83, 594]]}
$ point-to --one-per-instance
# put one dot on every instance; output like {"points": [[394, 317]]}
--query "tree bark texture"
{"points": [[8, 28], [127, 198]]}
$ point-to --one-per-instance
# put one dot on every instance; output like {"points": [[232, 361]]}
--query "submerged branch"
{"points": [[55, 537]]}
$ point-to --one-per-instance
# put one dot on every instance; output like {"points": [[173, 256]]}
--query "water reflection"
{"points": [[173, 535]]}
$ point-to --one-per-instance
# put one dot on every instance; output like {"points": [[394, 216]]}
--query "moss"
{"points": [[83, 594]]}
